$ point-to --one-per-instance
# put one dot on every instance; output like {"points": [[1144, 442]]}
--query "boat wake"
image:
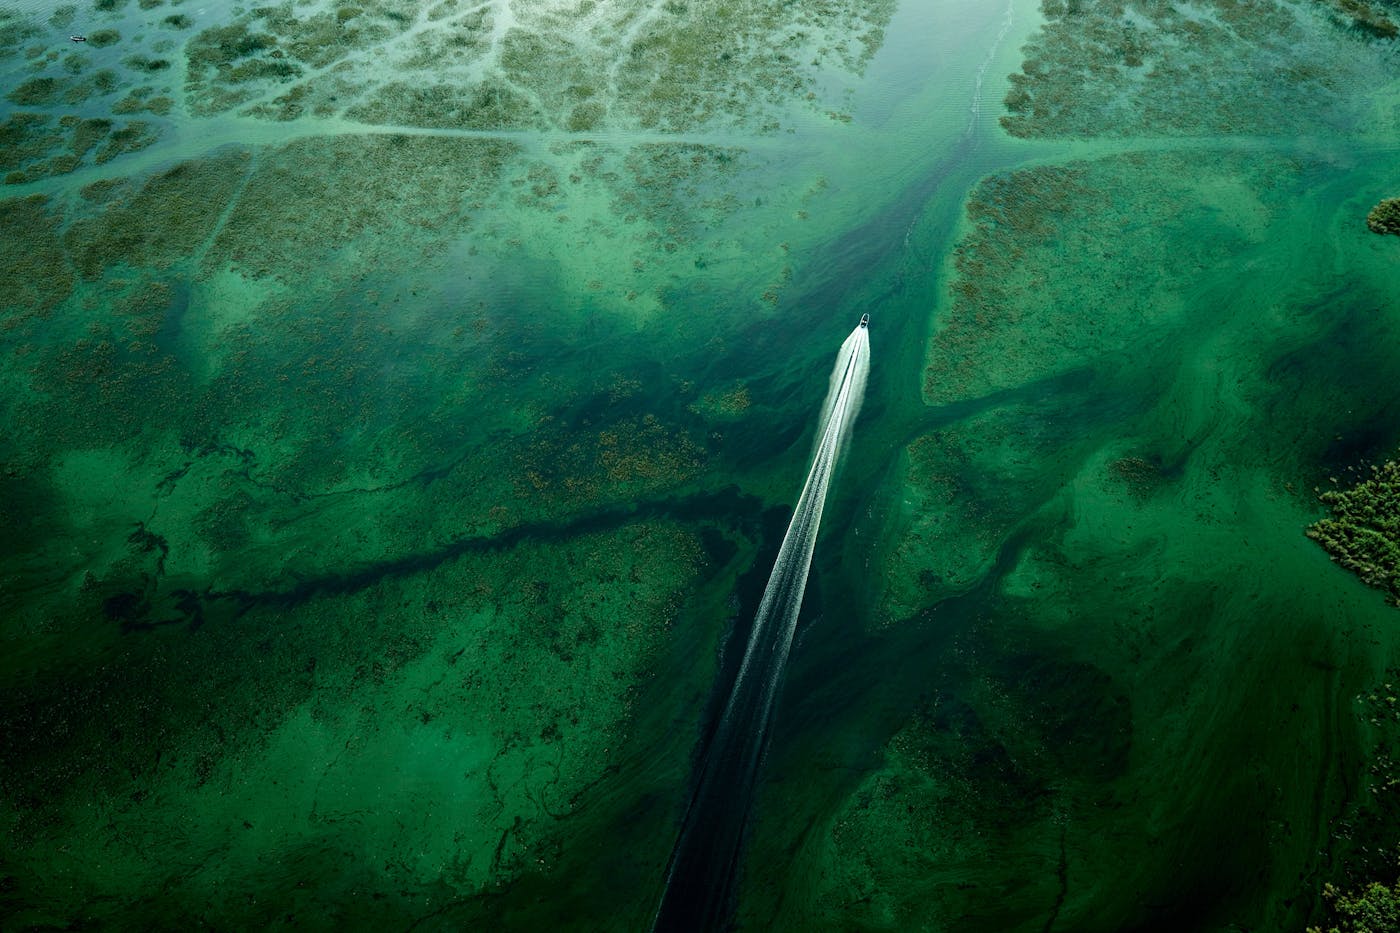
{"points": [[700, 877]]}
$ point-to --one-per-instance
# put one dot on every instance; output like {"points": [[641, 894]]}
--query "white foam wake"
{"points": [[782, 599], [700, 876]]}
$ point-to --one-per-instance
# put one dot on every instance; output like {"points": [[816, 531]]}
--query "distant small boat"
{"points": [[865, 320], [78, 38]]}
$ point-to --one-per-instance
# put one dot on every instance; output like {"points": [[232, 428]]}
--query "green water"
{"points": [[403, 405]]}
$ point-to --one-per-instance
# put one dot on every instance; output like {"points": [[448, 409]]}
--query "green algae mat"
{"points": [[402, 404]]}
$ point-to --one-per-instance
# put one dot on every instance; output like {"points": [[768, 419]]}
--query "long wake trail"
{"points": [[700, 877]]}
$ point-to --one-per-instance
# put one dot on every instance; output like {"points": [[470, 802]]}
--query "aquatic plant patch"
{"points": [[1363, 532], [1385, 217]]}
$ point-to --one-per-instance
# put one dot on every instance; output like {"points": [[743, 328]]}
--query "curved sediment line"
{"points": [[700, 877]]}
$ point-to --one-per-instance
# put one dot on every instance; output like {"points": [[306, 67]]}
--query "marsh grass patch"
{"points": [[1100, 68]]}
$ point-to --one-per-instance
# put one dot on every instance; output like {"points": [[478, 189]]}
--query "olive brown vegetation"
{"points": [[1385, 217]]}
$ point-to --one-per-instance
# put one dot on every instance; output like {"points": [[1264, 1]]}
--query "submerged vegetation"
{"points": [[1125, 296], [315, 423], [670, 66], [1363, 533], [1369, 16], [1008, 322], [1364, 897], [34, 275], [417, 453]]}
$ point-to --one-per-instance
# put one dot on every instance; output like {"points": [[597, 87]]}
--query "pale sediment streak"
{"points": [[700, 877], [976, 108]]}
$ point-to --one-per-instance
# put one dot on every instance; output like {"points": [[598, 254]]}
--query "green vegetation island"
{"points": [[1363, 532], [1385, 217]]}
